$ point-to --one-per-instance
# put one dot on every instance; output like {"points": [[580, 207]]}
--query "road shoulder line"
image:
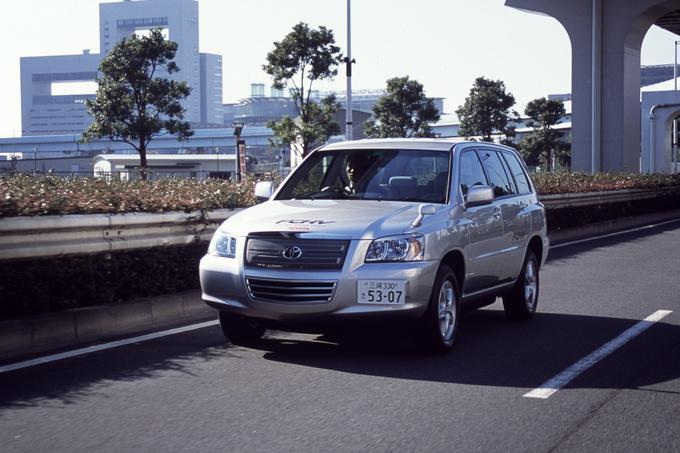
{"points": [[102, 347]]}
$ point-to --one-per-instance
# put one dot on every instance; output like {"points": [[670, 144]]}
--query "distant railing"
{"points": [[50, 236], [582, 199], [254, 171], [129, 175]]}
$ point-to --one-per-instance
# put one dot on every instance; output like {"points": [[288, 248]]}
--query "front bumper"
{"points": [[223, 282]]}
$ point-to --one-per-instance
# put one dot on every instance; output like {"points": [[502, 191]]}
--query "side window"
{"points": [[312, 180], [517, 171], [497, 176], [471, 172], [513, 186]]}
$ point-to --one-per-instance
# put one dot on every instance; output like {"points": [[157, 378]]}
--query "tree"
{"points": [[133, 104], [486, 110], [544, 144], [403, 111], [304, 56]]}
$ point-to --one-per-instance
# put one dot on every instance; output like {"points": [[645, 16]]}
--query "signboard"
{"points": [[242, 157]]}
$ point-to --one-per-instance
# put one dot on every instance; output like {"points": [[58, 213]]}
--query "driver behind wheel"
{"points": [[357, 165]]}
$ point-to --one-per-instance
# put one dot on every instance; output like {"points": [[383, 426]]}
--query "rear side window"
{"points": [[517, 171], [471, 172], [498, 178]]}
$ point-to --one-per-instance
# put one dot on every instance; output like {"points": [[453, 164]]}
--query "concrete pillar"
{"points": [[623, 25]]}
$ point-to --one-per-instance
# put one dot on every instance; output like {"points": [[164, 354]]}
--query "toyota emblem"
{"points": [[292, 252]]}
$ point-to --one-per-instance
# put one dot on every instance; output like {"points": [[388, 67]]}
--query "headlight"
{"points": [[222, 245], [396, 248]]}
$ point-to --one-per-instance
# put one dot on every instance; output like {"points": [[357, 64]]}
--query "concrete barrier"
{"points": [[74, 328]]}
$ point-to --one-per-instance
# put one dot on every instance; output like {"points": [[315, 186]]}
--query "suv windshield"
{"points": [[376, 174]]}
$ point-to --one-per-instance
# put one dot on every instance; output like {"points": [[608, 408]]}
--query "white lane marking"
{"points": [[103, 346], [551, 386], [618, 233]]}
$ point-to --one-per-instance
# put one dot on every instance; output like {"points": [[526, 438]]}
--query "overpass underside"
{"points": [[606, 38]]}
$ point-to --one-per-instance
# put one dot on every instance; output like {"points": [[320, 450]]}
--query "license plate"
{"points": [[381, 292]]}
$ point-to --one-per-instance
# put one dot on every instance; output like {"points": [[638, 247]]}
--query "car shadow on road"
{"points": [[492, 351]]}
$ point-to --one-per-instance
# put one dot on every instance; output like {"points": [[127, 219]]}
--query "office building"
{"points": [[54, 88]]}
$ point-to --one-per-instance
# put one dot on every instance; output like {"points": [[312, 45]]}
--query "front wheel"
{"points": [[521, 301], [440, 322], [240, 330]]}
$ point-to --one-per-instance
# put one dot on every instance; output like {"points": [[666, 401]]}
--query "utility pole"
{"points": [[349, 61]]}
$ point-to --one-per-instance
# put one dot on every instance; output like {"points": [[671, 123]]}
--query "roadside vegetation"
{"points": [[305, 55], [133, 104], [573, 182], [403, 111], [25, 195]]}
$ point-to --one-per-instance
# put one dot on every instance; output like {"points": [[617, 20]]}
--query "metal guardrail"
{"points": [[51, 236], [584, 199]]}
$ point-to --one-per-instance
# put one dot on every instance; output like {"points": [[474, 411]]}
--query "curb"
{"points": [[46, 333], [39, 334]]}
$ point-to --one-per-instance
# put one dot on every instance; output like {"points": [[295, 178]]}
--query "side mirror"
{"points": [[423, 210], [264, 190], [479, 196]]}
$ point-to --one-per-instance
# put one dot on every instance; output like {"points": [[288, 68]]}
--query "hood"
{"points": [[342, 219]]}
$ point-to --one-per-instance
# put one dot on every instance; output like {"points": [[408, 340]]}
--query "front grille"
{"points": [[314, 254], [291, 291]]}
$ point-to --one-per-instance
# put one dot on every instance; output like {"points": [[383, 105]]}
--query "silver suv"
{"points": [[415, 229]]}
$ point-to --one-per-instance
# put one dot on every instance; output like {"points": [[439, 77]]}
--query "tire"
{"points": [[521, 301], [439, 325], [241, 331]]}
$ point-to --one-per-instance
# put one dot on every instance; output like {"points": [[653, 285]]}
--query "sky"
{"points": [[444, 44]]}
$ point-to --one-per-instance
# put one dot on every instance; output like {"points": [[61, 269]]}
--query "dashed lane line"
{"points": [[550, 387]]}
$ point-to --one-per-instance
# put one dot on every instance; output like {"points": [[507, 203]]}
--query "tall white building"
{"points": [[46, 108]]}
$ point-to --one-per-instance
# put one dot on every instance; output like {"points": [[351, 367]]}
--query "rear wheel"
{"points": [[440, 322], [240, 330], [521, 302]]}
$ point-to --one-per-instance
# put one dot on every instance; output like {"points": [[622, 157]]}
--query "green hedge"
{"points": [[49, 285], [25, 195], [573, 182]]}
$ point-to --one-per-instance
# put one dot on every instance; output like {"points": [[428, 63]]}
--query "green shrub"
{"points": [[574, 182], [48, 285], [25, 195]]}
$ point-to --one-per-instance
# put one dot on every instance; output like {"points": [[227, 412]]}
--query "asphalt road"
{"points": [[294, 392]]}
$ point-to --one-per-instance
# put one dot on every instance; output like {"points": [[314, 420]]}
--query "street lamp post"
{"points": [[349, 123], [238, 128]]}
